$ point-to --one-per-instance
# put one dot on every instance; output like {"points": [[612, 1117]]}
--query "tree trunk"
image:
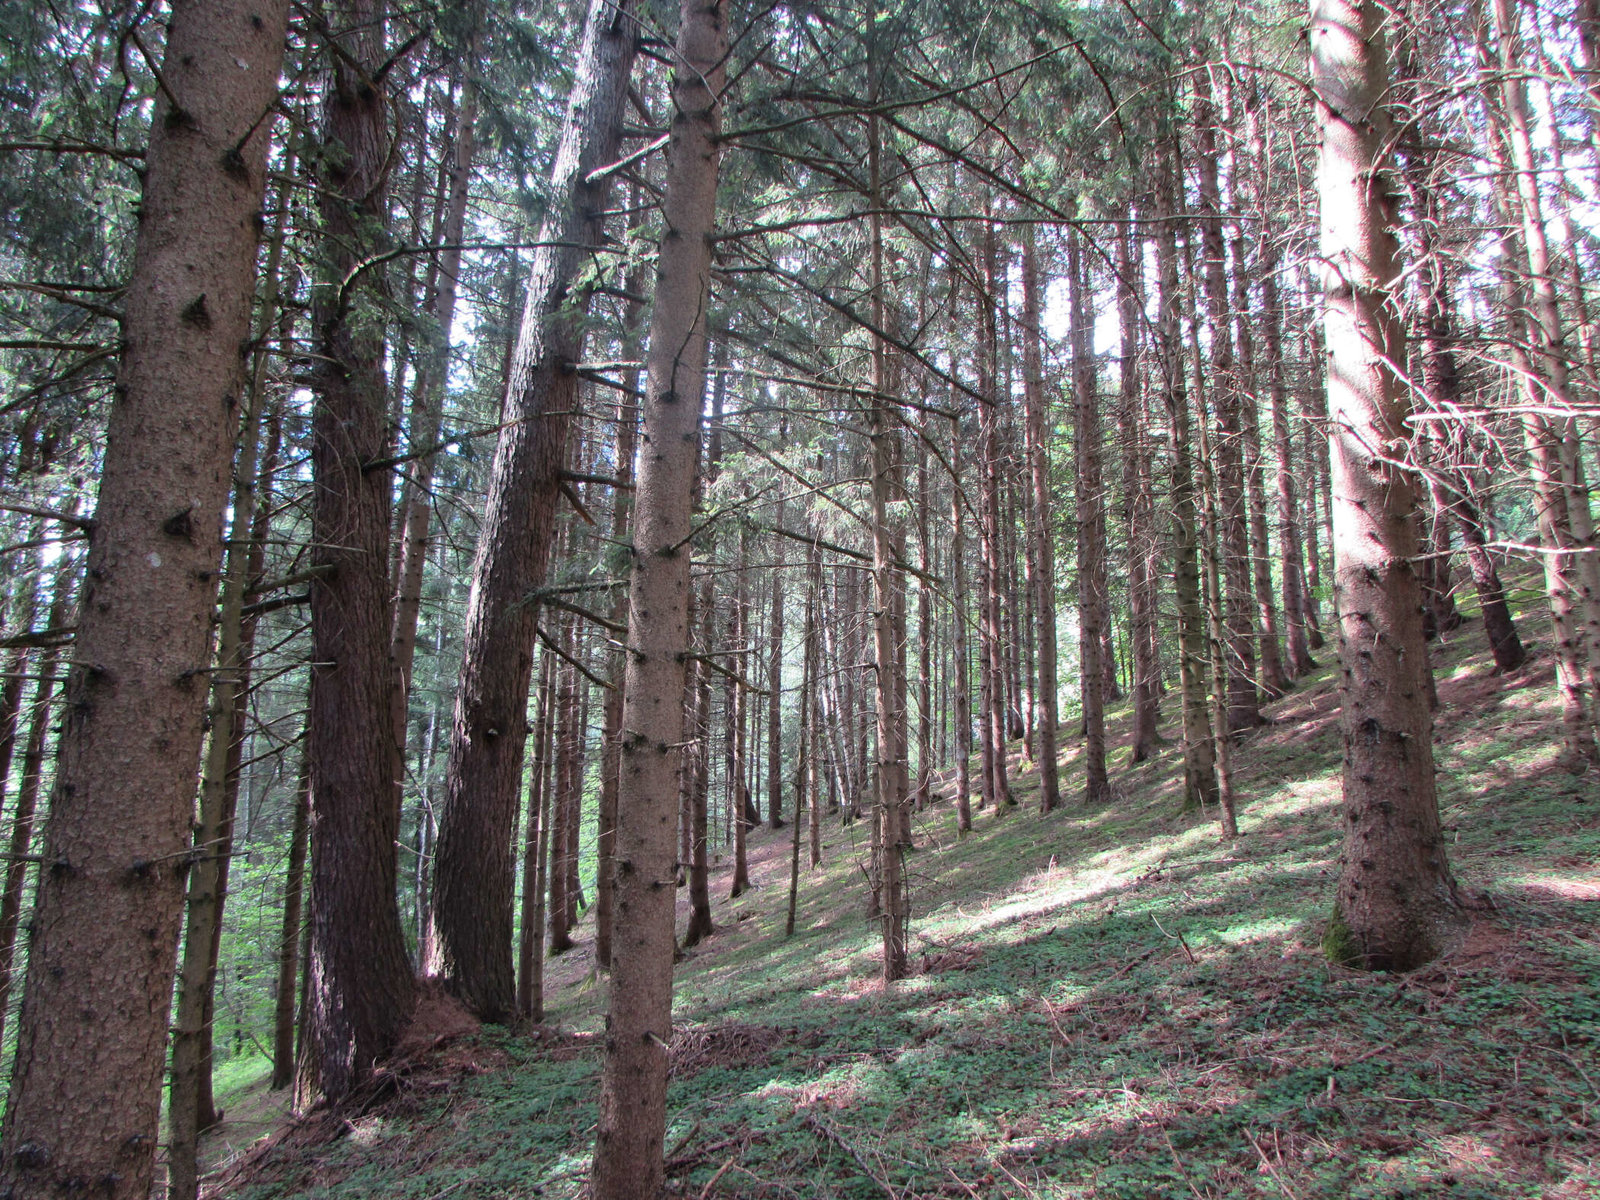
{"points": [[962, 685], [423, 424], [888, 590], [734, 700], [1199, 755], [85, 1091], [189, 1106], [697, 768], [1042, 525], [1547, 387], [632, 1124], [361, 988], [775, 682], [474, 870], [1092, 598], [991, 649], [610, 745], [25, 812], [1396, 904], [536, 832], [1244, 704], [1138, 511], [291, 932], [1291, 547]]}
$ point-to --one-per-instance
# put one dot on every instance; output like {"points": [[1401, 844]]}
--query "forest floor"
{"points": [[1106, 1002]]}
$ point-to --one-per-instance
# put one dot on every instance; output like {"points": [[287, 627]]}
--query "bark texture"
{"points": [[632, 1125], [86, 1088], [474, 869], [360, 988], [1396, 904]]}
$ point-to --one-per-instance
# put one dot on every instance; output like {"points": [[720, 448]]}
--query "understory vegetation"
{"points": [[1106, 1001]]}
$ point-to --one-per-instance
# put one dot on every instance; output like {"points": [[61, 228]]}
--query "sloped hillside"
{"points": [[1108, 1003]]}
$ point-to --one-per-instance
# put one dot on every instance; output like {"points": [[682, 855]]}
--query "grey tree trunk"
{"points": [[632, 1125]]}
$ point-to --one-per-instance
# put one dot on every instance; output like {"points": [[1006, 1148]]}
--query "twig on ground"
{"points": [[1272, 1170]]}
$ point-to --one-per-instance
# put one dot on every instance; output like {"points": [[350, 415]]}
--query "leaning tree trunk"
{"points": [[628, 1159], [361, 989], [1396, 905], [85, 1091], [474, 867]]}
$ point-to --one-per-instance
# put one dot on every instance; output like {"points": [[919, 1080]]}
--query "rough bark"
{"points": [[474, 868], [189, 1107], [632, 1124], [86, 1086], [360, 984], [1396, 905]]}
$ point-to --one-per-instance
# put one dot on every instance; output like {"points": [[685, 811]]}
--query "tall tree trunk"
{"points": [[697, 767], [1547, 386], [292, 931], [536, 833], [611, 735], [1246, 191], [1244, 704], [991, 649], [888, 588], [1291, 547], [189, 1107], [734, 700], [1092, 599], [474, 870], [424, 421], [1199, 755], [1138, 510], [25, 811], [1396, 905], [562, 817], [361, 988], [775, 685], [85, 1094], [1041, 524], [628, 1159], [962, 686]]}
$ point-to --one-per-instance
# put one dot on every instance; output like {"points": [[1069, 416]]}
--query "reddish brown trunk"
{"points": [[474, 869]]}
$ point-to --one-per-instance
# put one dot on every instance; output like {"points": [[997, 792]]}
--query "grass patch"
{"points": [[1109, 1003]]}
